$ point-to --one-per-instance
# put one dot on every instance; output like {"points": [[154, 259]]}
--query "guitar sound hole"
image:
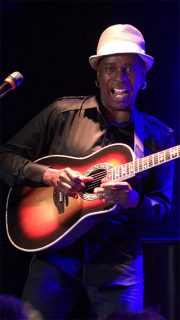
{"points": [[97, 175]]}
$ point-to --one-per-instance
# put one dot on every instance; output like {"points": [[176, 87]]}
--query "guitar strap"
{"points": [[138, 134]]}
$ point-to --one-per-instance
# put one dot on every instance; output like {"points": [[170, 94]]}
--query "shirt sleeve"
{"points": [[18, 155], [156, 190]]}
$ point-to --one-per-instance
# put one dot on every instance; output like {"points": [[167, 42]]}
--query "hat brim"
{"points": [[148, 60]]}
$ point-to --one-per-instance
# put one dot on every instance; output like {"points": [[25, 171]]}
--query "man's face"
{"points": [[120, 78]]}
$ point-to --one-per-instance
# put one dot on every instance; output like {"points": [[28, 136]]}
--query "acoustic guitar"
{"points": [[41, 218]]}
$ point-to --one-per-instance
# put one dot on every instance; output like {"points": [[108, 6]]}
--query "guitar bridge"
{"points": [[60, 200]]}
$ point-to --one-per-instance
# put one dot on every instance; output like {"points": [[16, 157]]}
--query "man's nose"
{"points": [[120, 74]]}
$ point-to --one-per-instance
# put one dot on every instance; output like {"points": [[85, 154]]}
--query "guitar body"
{"points": [[38, 219]]}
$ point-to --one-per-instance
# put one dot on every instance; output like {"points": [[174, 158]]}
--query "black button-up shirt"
{"points": [[110, 252]]}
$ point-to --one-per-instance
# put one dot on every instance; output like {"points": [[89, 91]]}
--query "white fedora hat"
{"points": [[121, 38]]}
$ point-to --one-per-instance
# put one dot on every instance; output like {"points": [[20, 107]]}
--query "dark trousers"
{"points": [[58, 295]]}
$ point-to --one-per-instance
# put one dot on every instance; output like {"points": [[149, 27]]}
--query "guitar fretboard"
{"points": [[129, 169]]}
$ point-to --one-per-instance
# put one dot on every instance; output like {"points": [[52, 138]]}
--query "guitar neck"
{"points": [[127, 170]]}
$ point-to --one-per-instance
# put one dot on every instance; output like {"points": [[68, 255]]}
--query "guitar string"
{"points": [[101, 173], [95, 182], [131, 164], [98, 176], [150, 158]]}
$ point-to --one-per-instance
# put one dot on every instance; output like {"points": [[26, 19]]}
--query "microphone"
{"points": [[13, 81]]}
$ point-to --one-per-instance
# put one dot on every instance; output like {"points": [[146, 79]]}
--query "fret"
{"points": [[109, 174], [151, 161], [124, 171], [119, 171], [145, 163], [174, 152], [161, 156], [129, 169], [116, 175], [156, 159], [168, 155], [140, 164], [136, 166]]}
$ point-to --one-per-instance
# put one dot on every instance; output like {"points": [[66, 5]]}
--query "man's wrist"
{"points": [[48, 176]]}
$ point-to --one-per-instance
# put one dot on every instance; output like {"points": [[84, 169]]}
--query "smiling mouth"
{"points": [[119, 93]]}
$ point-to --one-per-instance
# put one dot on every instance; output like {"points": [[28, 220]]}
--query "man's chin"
{"points": [[121, 107]]}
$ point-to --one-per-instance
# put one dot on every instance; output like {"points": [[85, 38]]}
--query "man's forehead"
{"points": [[120, 58]]}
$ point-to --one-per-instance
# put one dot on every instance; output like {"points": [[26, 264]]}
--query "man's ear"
{"points": [[144, 81], [97, 75], [97, 80], [144, 85]]}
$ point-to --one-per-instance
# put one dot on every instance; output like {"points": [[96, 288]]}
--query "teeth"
{"points": [[119, 91]]}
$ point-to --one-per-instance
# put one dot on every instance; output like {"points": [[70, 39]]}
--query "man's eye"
{"points": [[110, 69], [130, 69]]}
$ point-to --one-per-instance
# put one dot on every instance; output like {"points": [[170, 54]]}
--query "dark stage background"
{"points": [[49, 42]]}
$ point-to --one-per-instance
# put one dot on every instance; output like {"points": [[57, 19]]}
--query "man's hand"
{"points": [[67, 181], [118, 193]]}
